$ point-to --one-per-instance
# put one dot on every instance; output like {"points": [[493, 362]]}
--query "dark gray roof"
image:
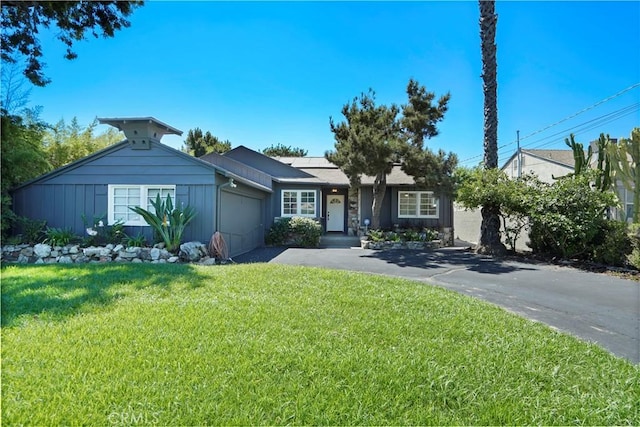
{"points": [[249, 179], [331, 174], [278, 170]]}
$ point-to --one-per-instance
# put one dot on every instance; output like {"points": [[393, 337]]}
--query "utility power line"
{"points": [[607, 99]]}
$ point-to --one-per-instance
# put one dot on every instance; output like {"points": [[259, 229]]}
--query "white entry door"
{"points": [[335, 212]]}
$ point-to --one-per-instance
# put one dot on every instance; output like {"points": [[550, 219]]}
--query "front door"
{"points": [[335, 212]]}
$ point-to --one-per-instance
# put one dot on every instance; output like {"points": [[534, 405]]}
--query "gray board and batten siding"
{"points": [[389, 213], [62, 196]]}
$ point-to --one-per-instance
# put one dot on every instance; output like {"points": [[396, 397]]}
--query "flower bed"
{"points": [[403, 239], [368, 244]]}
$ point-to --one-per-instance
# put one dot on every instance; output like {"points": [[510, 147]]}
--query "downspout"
{"points": [[229, 183]]}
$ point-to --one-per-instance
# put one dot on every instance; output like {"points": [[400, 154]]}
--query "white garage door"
{"points": [[241, 222]]}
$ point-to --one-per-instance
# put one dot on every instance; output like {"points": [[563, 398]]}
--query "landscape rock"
{"points": [[46, 254], [42, 250], [154, 253], [193, 251]]}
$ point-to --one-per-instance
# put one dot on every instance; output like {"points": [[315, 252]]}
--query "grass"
{"points": [[272, 344]]}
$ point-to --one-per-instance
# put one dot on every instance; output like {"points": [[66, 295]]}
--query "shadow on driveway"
{"points": [[403, 263], [453, 257]]}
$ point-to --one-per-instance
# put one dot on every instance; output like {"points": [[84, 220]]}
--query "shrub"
{"points": [[567, 216], [634, 237], [411, 236], [306, 232], [59, 236], [376, 235], [429, 234], [297, 231], [613, 245], [278, 233]]}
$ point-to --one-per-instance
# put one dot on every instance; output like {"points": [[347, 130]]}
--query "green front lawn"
{"points": [[273, 344]]}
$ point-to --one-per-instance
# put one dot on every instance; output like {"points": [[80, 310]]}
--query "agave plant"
{"points": [[168, 221]]}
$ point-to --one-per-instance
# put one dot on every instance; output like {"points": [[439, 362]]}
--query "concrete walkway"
{"points": [[591, 306]]}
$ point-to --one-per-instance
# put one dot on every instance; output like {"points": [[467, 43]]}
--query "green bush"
{"points": [[613, 245], [567, 217], [278, 233], [634, 237], [296, 231], [306, 232], [376, 235]]}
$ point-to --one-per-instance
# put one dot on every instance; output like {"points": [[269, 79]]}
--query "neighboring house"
{"points": [[545, 164], [240, 193]]}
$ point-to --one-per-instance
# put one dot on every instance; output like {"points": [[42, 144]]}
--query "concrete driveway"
{"points": [[591, 306]]}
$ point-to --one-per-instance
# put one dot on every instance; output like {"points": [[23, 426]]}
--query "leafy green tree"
{"points": [[65, 143], [15, 93], [420, 116], [625, 158], [22, 157], [21, 22], [490, 240], [374, 138], [418, 123], [575, 228], [480, 187], [281, 150], [198, 144], [367, 143]]}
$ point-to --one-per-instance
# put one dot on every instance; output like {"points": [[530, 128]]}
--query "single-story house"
{"points": [[240, 193]]}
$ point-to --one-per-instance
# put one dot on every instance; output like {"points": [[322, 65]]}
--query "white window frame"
{"points": [[299, 203], [144, 196], [419, 195]]}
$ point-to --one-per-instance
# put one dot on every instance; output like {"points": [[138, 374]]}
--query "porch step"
{"points": [[339, 241]]}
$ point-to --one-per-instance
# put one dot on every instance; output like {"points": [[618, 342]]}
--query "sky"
{"points": [[265, 73]]}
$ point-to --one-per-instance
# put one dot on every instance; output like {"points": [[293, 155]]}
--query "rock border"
{"points": [[42, 253]]}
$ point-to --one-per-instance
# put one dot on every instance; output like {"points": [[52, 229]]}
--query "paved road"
{"points": [[592, 306]]}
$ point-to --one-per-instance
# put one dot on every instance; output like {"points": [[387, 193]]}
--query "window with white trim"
{"points": [[298, 203], [123, 197], [417, 204]]}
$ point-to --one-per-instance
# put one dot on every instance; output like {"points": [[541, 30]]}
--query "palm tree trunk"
{"points": [[490, 242]]}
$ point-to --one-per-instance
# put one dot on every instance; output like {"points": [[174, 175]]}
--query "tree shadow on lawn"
{"points": [[60, 291], [439, 258]]}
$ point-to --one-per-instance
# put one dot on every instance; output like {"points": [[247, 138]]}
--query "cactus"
{"points": [[626, 163], [604, 179], [580, 161]]}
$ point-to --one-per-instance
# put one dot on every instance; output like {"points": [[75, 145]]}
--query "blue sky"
{"points": [[261, 73]]}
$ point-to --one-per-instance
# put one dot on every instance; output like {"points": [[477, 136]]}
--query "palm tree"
{"points": [[490, 229]]}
